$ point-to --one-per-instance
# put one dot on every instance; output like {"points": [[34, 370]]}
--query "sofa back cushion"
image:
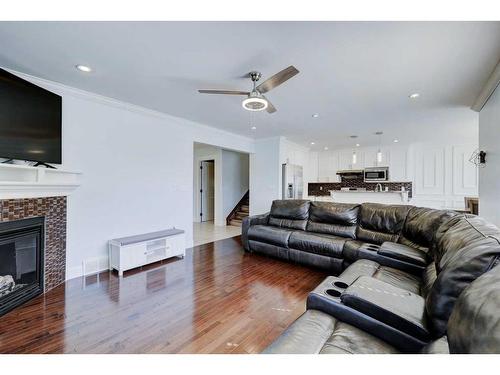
{"points": [[289, 213], [421, 225], [474, 325], [378, 223], [333, 218], [468, 248]]}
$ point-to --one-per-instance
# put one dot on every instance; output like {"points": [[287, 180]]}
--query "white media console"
{"points": [[135, 251]]}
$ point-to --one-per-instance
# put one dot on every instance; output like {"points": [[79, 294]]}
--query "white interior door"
{"points": [[207, 190]]}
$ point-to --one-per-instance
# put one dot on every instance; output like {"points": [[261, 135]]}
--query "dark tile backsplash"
{"points": [[323, 188]]}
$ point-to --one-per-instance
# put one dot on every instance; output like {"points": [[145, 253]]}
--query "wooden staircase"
{"points": [[239, 212]]}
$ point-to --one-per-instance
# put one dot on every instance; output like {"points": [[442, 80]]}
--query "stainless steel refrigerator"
{"points": [[292, 181]]}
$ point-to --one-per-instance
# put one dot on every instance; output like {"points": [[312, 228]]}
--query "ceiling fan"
{"points": [[255, 100]]}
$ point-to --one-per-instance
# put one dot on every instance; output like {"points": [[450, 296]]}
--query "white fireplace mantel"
{"points": [[22, 181]]}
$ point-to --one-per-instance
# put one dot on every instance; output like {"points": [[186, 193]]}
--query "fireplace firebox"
{"points": [[21, 261]]}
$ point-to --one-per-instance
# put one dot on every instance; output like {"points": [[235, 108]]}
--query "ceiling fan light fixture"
{"points": [[254, 103]]}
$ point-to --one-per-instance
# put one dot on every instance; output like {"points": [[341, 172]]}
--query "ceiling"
{"points": [[356, 75]]}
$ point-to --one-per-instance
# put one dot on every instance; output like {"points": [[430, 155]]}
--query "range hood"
{"points": [[350, 174], [345, 172]]}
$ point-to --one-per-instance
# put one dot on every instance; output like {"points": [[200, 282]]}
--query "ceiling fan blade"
{"points": [[224, 92], [277, 79], [270, 107]]}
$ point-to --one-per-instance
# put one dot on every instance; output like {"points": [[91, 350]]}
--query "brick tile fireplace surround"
{"points": [[54, 211]]}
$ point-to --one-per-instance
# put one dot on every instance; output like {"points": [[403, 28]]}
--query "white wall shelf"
{"points": [[22, 181]]}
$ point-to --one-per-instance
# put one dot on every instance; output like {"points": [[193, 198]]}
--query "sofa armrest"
{"points": [[247, 222], [403, 253]]}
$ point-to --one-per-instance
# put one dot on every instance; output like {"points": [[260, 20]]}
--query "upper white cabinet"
{"points": [[347, 161], [328, 165], [398, 164], [371, 157]]}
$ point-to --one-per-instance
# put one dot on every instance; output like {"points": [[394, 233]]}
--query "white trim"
{"points": [[488, 89]]}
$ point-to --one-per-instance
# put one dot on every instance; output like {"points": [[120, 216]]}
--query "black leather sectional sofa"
{"points": [[404, 279]]}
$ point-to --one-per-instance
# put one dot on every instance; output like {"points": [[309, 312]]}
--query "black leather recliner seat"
{"points": [[399, 269], [474, 327]]}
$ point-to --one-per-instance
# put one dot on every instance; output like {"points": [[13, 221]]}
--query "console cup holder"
{"points": [[340, 284], [333, 293]]}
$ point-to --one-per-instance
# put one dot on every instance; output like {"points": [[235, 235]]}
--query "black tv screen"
{"points": [[30, 121]]}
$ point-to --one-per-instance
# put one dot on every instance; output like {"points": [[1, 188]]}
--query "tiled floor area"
{"points": [[208, 232]]}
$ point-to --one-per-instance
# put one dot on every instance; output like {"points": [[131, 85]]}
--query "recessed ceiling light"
{"points": [[254, 127], [357, 144], [312, 143], [414, 95], [396, 140], [83, 68], [326, 148], [315, 115]]}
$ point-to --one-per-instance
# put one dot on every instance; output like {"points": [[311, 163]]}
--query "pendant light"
{"points": [[354, 155], [379, 152]]}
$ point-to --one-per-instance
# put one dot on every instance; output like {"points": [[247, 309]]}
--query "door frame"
{"points": [[200, 190], [197, 186]]}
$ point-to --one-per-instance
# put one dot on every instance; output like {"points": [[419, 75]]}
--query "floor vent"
{"points": [[94, 265]]}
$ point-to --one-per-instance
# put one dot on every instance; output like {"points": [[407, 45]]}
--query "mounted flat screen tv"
{"points": [[30, 121]]}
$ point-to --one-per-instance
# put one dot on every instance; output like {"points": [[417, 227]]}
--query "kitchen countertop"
{"points": [[368, 191], [362, 196]]}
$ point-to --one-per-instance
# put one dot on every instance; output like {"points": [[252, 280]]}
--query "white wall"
{"points": [[265, 173], [440, 170], [235, 178], [137, 169], [489, 176]]}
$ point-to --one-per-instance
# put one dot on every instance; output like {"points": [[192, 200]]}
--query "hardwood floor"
{"points": [[218, 299]]}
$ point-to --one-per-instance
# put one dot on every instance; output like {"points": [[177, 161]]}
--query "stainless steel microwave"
{"points": [[376, 174]]}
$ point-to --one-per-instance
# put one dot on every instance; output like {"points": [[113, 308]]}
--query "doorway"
{"points": [[207, 190]]}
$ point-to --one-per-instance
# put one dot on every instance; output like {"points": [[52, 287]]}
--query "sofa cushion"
{"points": [[421, 225], [474, 325], [317, 332], [331, 265], [468, 249], [388, 304], [321, 244], [271, 235], [290, 214], [392, 276], [333, 218], [380, 222]]}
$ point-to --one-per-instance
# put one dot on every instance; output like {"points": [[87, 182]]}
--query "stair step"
{"points": [[244, 208], [241, 214], [235, 222]]}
